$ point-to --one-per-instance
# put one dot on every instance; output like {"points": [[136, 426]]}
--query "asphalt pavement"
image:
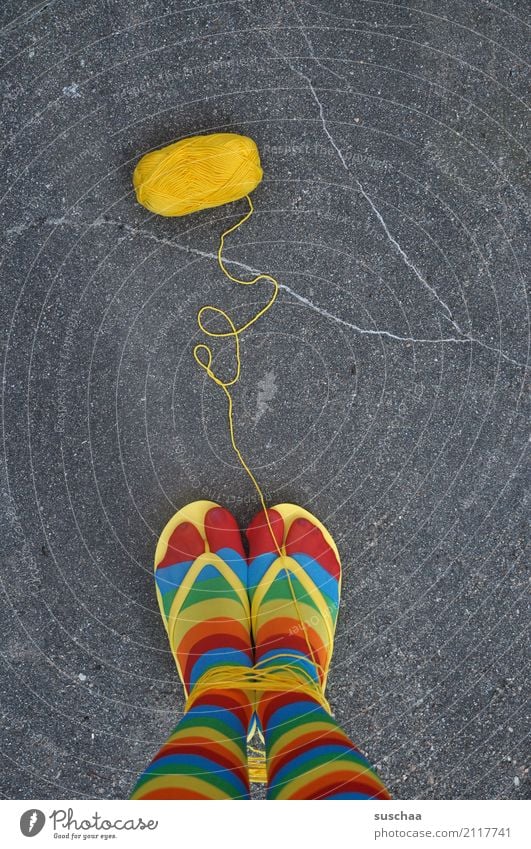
{"points": [[385, 391]]}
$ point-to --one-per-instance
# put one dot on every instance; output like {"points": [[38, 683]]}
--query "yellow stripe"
{"points": [[319, 729], [211, 608], [290, 512], [194, 513], [209, 734], [181, 782], [206, 559], [322, 771]]}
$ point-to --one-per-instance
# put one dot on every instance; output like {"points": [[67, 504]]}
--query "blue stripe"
{"points": [[258, 568], [171, 577], [335, 750], [236, 562], [274, 658], [193, 716], [208, 572], [308, 711], [209, 767], [216, 657]]}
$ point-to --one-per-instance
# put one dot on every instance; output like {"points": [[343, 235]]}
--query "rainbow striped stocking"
{"points": [[201, 577], [294, 586], [308, 756], [205, 756]]}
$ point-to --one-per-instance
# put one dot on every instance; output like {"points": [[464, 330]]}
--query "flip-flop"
{"points": [[294, 583], [201, 584]]}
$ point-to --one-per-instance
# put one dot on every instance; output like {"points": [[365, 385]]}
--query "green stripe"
{"points": [[213, 778], [347, 758], [213, 588], [275, 734], [195, 723], [280, 591]]}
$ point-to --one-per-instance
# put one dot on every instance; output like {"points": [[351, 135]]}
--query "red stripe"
{"points": [[341, 782], [305, 538], [184, 544], [222, 530], [227, 699], [208, 644], [271, 703], [259, 536], [174, 793]]}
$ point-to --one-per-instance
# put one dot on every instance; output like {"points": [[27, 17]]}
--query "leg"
{"points": [[294, 585], [205, 757], [201, 583], [308, 756]]}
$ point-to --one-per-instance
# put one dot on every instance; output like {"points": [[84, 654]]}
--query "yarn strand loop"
{"points": [[234, 332]]}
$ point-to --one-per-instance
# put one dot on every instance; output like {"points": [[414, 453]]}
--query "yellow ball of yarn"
{"points": [[197, 173]]}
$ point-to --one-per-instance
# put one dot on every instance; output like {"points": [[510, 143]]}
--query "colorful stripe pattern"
{"points": [[314, 579], [308, 755], [204, 587], [205, 757], [201, 575]]}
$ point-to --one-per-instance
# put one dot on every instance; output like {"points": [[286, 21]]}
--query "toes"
{"points": [[305, 538], [259, 534], [185, 544], [222, 531]]}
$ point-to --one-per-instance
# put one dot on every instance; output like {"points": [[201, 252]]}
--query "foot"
{"points": [[294, 581], [201, 582]]}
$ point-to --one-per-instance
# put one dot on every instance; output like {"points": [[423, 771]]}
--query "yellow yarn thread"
{"points": [[198, 173], [235, 333], [255, 682]]}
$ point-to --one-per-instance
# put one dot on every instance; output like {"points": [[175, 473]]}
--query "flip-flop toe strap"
{"points": [[231, 608]]}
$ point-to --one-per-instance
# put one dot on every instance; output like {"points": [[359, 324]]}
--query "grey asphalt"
{"points": [[386, 391]]}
